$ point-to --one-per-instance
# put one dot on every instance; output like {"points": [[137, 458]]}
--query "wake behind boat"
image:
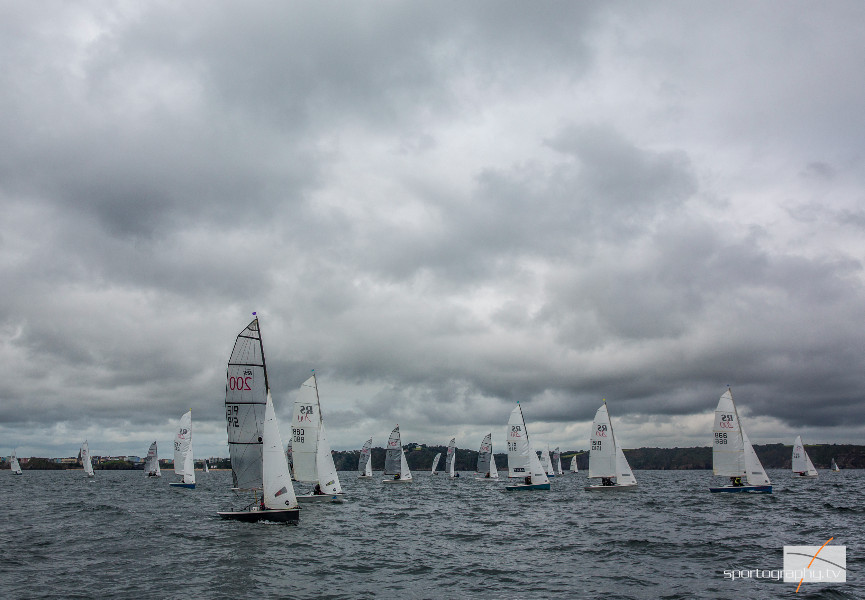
{"points": [[606, 459], [733, 455], [258, 464], [522, 459], [313, 461]]}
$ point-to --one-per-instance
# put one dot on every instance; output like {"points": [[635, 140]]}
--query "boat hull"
{"points": [[397, 480], [520, 487], [320, 498], [609, 488], [748, 489], [189, 486], [291, 515], [364, 476], [797, 476]]}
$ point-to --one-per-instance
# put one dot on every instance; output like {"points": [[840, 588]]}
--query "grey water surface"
{"points": [[122, 535]]}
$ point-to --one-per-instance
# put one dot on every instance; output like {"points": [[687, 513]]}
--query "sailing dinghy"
{"points": [[313, 461], [522, 459], [834, 466], [733, 455], [436, 463], [394, 460], [151, 463], [16, 468], [802, 465], [546, 463], [85, 459], [606, 459], [183, 463], [364, 463], [451, 459], [258, 462], [486, 468], [557, 461], [206, 470], [574, 468]]}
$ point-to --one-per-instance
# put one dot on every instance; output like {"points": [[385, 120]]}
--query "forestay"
{"points": [[246, 394]]}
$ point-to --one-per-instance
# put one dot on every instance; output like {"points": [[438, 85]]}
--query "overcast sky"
{"points": [[442, 208]]}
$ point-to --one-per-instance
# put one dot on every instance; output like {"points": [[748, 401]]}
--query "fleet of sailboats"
{"points": [[732, 453], [258, 464], [364, 463], [606, 459], [151, 463], [183, 461], [486, 468], [802, 465], [394, 460], [313, 461], [523, 461]]}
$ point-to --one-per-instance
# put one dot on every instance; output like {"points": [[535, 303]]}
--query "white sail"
{"points": [[85, 459], [546, 463], [246, 394], [602, 456], [313, 460], [755, 475], [183, 463], [557, 461], [327, 477], [364, 463], [394, 461], [206, 469], [801, 461], [835, 466], [574, 468], [494, 471], [624, 474], [522, 460], [151, 463], [277, 490], [486, 459], [728, 447], [450, 459], [16, 468], [436, 462]]}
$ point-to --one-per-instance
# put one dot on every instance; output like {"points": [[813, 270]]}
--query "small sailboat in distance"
{"points": [[733, 455], [574, 467], [258, 462], [364, 463], [486, 468], [557, 461], [206, 469], [394, 460], [151, 463], [313, 460], [606, 459], [522, 459], [802, 465], [451, 459], [546, 463], [183, 462], [85, 459], [436, 463], [834, 466], [16, 468]]}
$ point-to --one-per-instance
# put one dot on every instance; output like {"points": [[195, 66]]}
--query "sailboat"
{"points": [[733, 455], [394, 460], [606, 459], [151, 463], [289, 456], [85, 459], [183, 463], [522, 459], [436, 463], [313, 461], [364, 463], [16, 468], [258, 462], [206, 470], [557, 461], [486, 468], [547, 463], [834, 466], [802, 465], [574, 468], [451, 459]]}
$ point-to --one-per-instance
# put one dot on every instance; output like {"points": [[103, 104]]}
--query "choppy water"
{"points": [[125, 536]]}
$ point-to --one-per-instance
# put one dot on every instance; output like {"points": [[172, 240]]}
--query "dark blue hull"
{"points": [[190, 486], [748, 489], [522, 486]]}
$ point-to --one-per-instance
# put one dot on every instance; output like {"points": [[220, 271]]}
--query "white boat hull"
{"points": [[799, 476]]}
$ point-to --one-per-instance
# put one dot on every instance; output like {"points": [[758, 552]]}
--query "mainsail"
{"points": [[183, 460], [313, 461], [85, 459], [546, 462], [522, 459], [16, 468], [574, 468], [602, 456], [557, 461], [436, 462], [151, 463], [728, 447], [364, 463], [801, 461], [450, 460], [246, 393], [394, 460]]}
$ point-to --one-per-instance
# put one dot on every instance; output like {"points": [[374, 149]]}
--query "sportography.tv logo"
{"points": [[823, 564]]}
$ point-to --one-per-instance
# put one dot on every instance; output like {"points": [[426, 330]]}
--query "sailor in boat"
{"points": [[607, 481], [397, 476], [736, 481], [528, 479], [487, 475], [317, 491]]}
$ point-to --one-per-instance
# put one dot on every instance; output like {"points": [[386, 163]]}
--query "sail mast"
{"points": [[261, 345]]}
